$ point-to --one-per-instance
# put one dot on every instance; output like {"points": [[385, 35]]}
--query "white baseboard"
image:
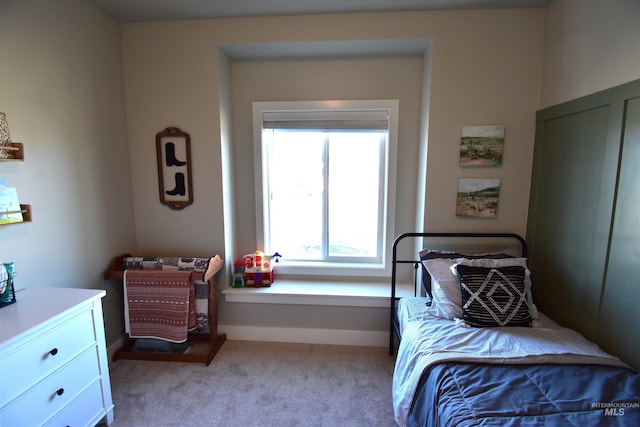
{"points": [[306, 336], [291, 335]]}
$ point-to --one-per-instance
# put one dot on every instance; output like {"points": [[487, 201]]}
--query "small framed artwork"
{"points": [[173, 150], [481, 146], [478, 197]]}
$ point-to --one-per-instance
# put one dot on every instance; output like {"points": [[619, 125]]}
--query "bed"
{"points": [[474, 351]]}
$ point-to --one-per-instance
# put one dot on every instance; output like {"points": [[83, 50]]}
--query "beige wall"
{"points": [[590, 45], [485, 65], [88, 172], [62, 89], [61, 84], [485, 69]]}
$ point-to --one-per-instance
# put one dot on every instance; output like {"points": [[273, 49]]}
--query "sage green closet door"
{"points": [[570, 211], [619, 323]]}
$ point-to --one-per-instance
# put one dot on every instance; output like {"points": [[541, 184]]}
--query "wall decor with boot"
{"points": [[173, 150]]}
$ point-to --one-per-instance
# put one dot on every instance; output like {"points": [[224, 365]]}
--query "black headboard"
{"points": [[420, 240]]}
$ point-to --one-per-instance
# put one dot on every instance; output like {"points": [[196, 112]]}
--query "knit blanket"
{"points": [[159, 304], [198, 265]]}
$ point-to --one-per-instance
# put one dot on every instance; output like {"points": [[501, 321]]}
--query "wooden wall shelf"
{"points": [[17, 149], [18, 152], [26, 214]]}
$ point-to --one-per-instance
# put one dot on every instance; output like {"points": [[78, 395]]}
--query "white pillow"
{"points": [[445, 285], [446, 300], [489, 263]]}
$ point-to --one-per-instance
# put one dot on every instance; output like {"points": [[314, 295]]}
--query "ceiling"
{"points": [[170, 10]]}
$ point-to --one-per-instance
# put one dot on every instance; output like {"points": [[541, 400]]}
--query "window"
{"points": [[324, 174]]}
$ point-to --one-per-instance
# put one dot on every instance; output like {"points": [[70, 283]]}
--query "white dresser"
{"points": [[53, 359]]}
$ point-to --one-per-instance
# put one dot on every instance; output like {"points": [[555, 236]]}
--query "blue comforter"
{"points": [[474, 394]]}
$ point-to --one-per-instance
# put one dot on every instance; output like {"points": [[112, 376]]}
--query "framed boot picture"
{"points": [[173, 149]]}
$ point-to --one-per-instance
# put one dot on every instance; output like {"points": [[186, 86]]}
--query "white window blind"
{"points": [[359, 120]]}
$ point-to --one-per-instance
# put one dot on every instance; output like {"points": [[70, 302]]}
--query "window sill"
{"points": [[300, 292]]}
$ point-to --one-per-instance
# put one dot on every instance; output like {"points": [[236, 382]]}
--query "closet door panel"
{"points": [[583, 227], [619, 320], [571, 207]]}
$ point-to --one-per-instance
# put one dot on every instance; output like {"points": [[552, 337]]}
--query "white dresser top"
{"points": [[34, 306]]}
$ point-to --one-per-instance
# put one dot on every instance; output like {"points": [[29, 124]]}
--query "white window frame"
{"points": [[301, 268]]}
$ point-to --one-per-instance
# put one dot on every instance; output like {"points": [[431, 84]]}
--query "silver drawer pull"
{"points": [[53, 352], [60, 391]]}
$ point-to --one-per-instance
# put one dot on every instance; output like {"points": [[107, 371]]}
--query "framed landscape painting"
{"points": [[481, 145], [478, 197]]}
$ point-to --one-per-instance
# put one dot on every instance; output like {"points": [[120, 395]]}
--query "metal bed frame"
{"points": [[394, 327]]}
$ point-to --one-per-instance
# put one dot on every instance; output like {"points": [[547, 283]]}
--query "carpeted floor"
{"points": [[258, 384]]}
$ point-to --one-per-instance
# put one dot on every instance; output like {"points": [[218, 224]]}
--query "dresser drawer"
{"points": [[54, 392], [87, 406], [42, 354]]}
